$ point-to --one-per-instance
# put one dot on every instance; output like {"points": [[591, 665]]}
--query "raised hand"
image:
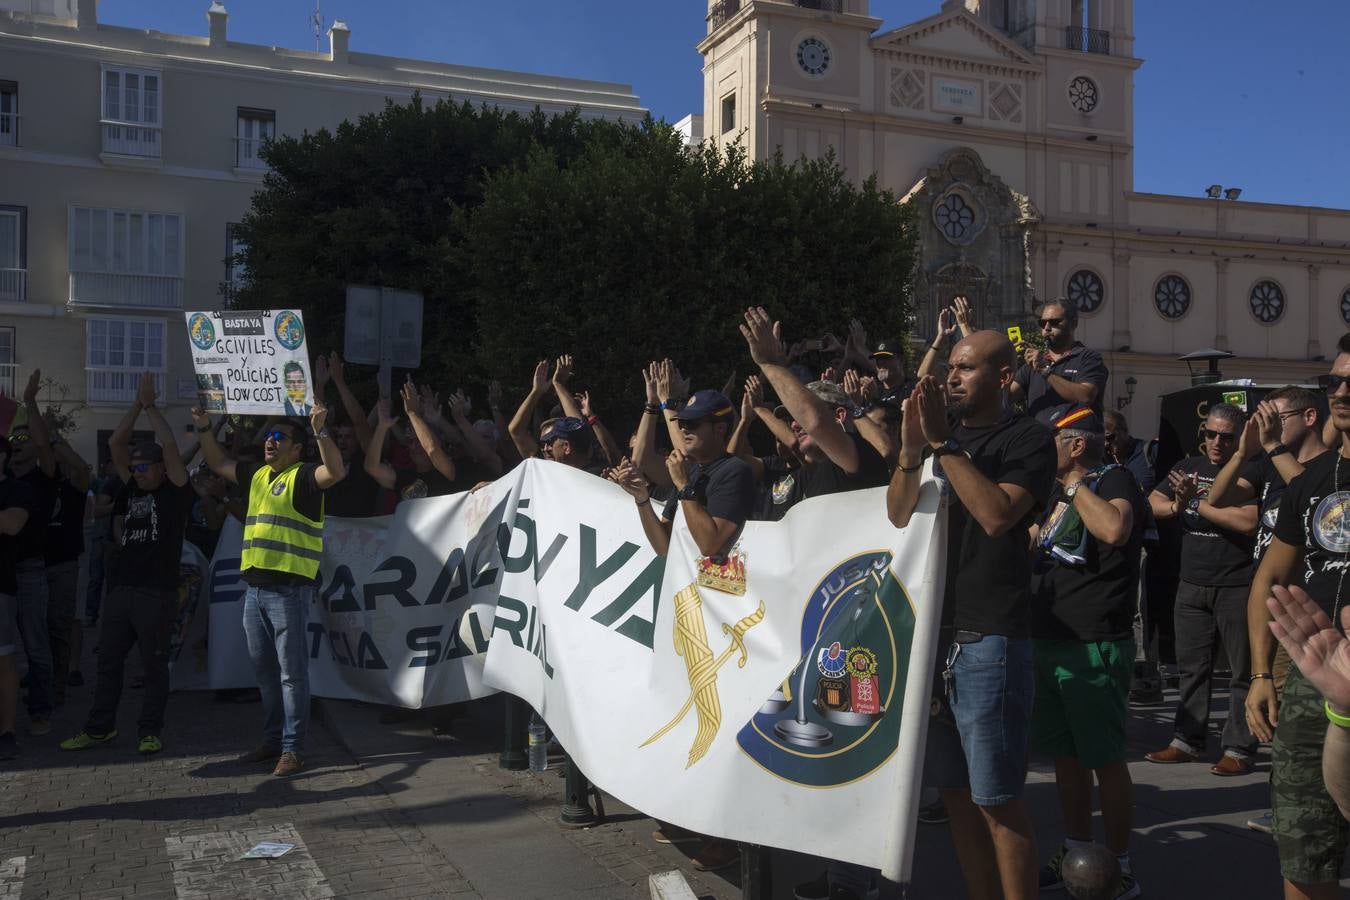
{"points": [[412, 402], [754, 389], [584, 401], [460, 404], [200, 419], [669, 382], [563, 373], [626, 476], [145, 391], [494, 395], [912, 438], [871, 388], [337, 368], [649, 382], [1320, 651], [830, 344], [857, 336], [1250, 438], [385, 416], [1269, 424], [540, 380], [30, 390], [677, 464], [852, 386], [318, 415], [932, 403], [828, 375], [431, 403], [961, 309], [764, 337], [321, 375], [946, 324]]}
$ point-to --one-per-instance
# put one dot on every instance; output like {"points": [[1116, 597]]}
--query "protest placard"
{"points": [[251, 362]]}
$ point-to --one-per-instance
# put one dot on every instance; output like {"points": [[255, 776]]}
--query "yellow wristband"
{"points": [[1335, 718]]}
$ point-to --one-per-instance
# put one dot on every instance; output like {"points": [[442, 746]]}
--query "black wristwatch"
{"points": [[1278, 450], [689, 492], [201, 429], [946, 448]]}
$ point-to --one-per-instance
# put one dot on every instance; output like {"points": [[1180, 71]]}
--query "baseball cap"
{"points": [[565, 427], [147, 451], [706, 403], [831, 393], [888, 348], [1071, 415]]}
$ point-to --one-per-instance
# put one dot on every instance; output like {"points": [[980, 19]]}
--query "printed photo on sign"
{"points": [[251, 362], [211, 393]]}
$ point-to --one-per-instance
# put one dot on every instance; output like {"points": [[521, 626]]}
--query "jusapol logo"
{"points": [[836, 719], [290, 330], [202, 332]]}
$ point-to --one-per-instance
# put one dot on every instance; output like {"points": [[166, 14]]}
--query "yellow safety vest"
{"points": [[278, 537]]}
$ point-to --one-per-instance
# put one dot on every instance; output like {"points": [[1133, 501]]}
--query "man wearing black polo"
{"points": [[1065, 371], [1216, 572]]}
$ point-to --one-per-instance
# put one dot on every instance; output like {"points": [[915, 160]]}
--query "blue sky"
{"points": [[1253, 98]]}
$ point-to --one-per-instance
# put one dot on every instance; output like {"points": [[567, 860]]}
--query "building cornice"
{"points": [[755, 8], [1215, 248], [1206, 202], [1013, 54]]}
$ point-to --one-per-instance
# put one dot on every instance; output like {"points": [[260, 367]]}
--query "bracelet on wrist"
{"points": [[591, 420], [1257, 676], [652, 407], [1277, 450], [910, 470], [1334, 717]]}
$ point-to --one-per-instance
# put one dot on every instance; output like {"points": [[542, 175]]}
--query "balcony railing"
{"points": [[9, 129], [112, 289], [130, 138], [116, 385], [13, 285], [246, 153], [724, 10], [7, 378], [1087, 40], [834, 6]]}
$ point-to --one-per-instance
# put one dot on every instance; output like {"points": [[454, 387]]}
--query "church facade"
{"points": [[1009, 123]]}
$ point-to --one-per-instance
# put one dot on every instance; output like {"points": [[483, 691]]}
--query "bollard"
{"points": [[1091, 873], [515, 714], [576, 811], [756, 872]]}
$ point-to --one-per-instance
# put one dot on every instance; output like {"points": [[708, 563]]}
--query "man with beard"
{"points": [[998, 470], [1065, 372], [1216, 571], [1311, 545]]}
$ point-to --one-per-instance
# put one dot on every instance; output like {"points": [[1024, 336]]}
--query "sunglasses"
{"points": [[1222, 437], [20, 438], [276, 436], [140, 468], [1330, 383], [1050, 323]]}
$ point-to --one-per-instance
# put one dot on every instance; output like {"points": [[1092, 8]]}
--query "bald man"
{"points": [[998, 470]]}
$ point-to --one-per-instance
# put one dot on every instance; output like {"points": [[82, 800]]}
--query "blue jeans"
{"points": [[274, 624], [985, 748], [32, 578]]}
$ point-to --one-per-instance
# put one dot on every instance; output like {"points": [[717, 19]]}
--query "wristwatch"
{"points": [[1278, 450], [1071, 490], [323, 433], [688, 492], [947, 447]]}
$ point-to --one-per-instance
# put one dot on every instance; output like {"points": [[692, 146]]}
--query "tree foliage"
{"points": [[532, 236]]}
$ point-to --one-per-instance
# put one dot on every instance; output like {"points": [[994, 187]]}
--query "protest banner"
{"points": [[251, 362], [792, 678]]}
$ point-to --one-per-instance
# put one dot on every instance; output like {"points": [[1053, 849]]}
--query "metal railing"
{"points": [[1087, 40], [113, 289], [13, 285], [116, 384], [130, 138], [8, 375], [724, 10], [246, 153], [9, 129], [834, 6]]}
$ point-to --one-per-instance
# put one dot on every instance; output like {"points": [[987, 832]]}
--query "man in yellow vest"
{"points": [[283, 540]]}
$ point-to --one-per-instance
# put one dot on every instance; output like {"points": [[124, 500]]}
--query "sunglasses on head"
{"points": [[1051, 323], [1220, 436], [1330, 383], [276, 436]]}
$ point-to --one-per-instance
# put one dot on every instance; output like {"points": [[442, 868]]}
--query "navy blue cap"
{"points": [[1072, 415], [889, 348], [565, 427], [707, 404], [147, 451]]}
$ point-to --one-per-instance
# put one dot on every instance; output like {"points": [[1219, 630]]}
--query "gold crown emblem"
{"points": [[727, 576]]}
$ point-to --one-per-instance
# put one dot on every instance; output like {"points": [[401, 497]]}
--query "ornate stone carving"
{"points": [[909, 88], [1005, 102]]}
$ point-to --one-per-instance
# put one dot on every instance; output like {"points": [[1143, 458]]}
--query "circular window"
{"points": [[1267, 302], [955, 217], [1172, 296], [1083, 94], [1086, 291], [1345, 306]]}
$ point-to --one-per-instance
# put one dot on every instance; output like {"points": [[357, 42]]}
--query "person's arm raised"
{"points": [[375, 466], [626, 476], [331, 469], [562, 374], [37, 426], [480, 448], [946, 327], [337, 370], [902, 495], [1229, 487], [119, 443], [646, 459], [811, 413], [174, 469], [212, 452], [739, 442], [608, 445], [435, 450], [522, 424]]}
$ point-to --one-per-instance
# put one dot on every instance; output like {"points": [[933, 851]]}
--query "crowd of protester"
{"points": [[1059, 607]]}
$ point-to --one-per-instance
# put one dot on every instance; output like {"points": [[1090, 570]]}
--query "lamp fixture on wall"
{"points": [[1232, 193], [957, 120], [1130, 384], [1213, 191]]}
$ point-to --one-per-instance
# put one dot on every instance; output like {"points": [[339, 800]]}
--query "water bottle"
{"points": [[538, 744]]}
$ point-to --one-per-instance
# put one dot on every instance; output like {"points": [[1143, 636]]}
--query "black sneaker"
{"points": [[9, 748], [1051, 877], [934, 813]]}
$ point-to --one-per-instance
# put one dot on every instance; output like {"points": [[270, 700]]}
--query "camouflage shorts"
{"points": [[1310, 831]]}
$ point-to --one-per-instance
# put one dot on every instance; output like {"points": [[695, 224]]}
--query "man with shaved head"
{"points": [[998, 470]]}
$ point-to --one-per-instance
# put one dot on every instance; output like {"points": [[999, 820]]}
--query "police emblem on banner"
{"points": [[836, 717]]}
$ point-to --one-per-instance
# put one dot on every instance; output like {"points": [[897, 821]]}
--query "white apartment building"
{"points": [[125, 156]]}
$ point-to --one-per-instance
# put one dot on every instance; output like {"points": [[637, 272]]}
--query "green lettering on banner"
{"points": [[635, 627], [592, 576]]}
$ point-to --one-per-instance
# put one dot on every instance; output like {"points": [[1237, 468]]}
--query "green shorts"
{"points": [[1310, 831], [1080, 710]]}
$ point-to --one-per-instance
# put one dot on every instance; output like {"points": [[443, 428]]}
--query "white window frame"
{"points": [[128, 237], [8, 359], [9, 113], [115, 380], [13, 279], [126, 131], [252, 126]]}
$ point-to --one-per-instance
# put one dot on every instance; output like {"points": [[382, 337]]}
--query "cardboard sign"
{"points": [[251, 362]]}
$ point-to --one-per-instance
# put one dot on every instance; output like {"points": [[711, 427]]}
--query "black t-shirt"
{"points": [[989, 578], [151, 547], [65, 529], [410, 484], [1210, 555], [14, 494], [726, 489], [32, 540], [776, 489], [1094, 601], [199, 532], [356, 496], [817, 479], [1315, 515], [1260, 472], [1082, 365]]}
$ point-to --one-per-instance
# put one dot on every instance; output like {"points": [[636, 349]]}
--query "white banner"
{"points": [[786, 690], [251, 362]]}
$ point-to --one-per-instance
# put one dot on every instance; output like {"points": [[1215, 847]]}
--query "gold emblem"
{"points": [[727, 576]]}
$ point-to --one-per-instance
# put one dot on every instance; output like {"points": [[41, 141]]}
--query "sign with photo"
{"points": [[251, 362]]}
